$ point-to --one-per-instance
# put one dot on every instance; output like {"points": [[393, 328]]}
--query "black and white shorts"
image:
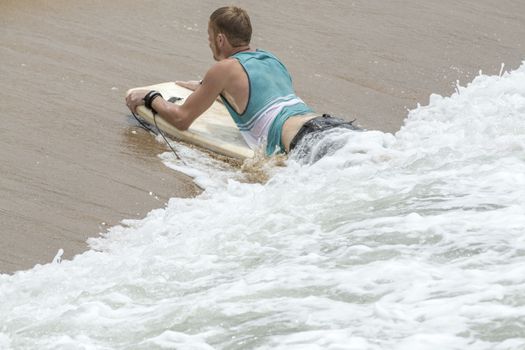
{"points": [[311, 142]]}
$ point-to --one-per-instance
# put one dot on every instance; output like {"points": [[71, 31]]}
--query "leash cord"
{"points": [[147, 127]]}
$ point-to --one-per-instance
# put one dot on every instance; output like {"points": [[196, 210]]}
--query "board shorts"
{"points": [[309, 144]]}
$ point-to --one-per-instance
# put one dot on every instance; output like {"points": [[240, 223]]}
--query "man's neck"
{"points": [[236, 50]]}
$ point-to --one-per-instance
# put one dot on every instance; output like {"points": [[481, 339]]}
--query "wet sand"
{"points": [[73, 162]]}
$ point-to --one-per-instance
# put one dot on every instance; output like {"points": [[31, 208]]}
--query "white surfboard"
{"points": [[214, 130]]}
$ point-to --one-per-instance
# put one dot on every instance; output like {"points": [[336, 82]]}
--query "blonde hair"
{"points": [[234, 23]]}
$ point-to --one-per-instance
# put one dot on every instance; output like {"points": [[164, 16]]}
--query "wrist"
{"points": [[149, 98], [155, 102]]}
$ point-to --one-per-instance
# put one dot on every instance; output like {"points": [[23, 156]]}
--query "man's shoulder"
{"points": [[223, 71], [224, 66]]}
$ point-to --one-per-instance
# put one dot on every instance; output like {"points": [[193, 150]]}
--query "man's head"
{"points": [[229, 28]]}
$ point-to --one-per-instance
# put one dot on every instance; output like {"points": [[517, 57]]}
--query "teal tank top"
{"points": [[271, 101]]}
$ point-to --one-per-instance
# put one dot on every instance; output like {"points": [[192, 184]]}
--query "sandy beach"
{"points": [[74, 162]]}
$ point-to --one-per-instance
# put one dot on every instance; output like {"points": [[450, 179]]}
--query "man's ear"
{"points": [[221, 39]]}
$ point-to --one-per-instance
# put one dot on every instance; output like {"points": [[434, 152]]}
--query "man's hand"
{"points": [[135, 98], [192, 84]]}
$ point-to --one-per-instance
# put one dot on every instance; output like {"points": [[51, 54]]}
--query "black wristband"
{"points": [[148, 99]]}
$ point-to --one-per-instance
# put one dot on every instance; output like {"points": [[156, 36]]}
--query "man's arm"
{"points": [[182, 116]]}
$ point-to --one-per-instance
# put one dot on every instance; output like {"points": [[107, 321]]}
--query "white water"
{"points": [[412, 241]]}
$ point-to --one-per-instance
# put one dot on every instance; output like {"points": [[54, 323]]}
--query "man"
{"points": [[254, 85]]}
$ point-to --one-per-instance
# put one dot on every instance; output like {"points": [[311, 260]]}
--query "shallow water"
{"points": [[406, 241]]}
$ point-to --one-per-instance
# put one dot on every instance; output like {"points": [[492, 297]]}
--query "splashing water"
{"points": [[412, 241]]}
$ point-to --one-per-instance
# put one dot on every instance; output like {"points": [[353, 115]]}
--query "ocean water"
{"points": [[407, 241]]}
